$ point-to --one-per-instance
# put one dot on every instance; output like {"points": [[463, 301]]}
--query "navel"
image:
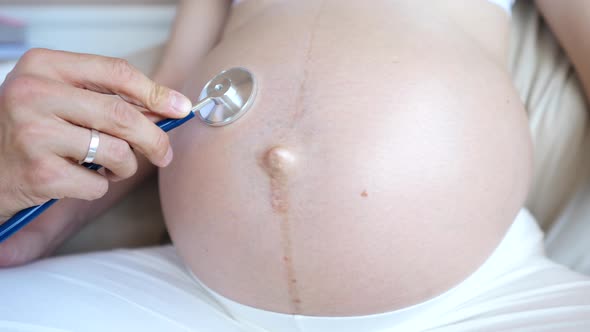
{"points": [[279, 162]]}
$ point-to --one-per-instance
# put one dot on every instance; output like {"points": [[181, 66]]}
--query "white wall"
{"points": [[106, 30]]}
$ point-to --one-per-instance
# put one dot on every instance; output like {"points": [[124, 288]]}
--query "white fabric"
{"points": [[150, 290], [518, 257]]}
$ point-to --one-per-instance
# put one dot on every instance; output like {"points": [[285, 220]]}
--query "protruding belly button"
{"points": [[278, 163]]}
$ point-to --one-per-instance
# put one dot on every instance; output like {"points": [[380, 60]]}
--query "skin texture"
{"points": [[384, 159]]}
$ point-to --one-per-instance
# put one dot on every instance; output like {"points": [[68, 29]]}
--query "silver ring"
{"points": [[93, 146]]}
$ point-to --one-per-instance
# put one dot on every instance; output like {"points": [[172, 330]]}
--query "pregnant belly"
{"points": [[383, 160]]}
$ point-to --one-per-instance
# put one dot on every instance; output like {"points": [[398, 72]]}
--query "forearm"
{"points": [[570, 22], [196, 30]]}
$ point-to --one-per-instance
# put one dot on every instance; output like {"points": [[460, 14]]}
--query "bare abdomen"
{"points": [[382, 162]]}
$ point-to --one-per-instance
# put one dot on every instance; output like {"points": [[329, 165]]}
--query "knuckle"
{"points": [[122, 115], [122, 71], [99, 188], [11, 74], [132, 167], [158, 95], [160, 144], [42, 175], [27, 136], [20, 89], [128, 168], [122, 159], [33, 57], [24, 134], [119, 151]]}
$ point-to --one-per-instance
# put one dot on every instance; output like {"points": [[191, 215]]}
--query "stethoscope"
{"points": [[223, 100]]}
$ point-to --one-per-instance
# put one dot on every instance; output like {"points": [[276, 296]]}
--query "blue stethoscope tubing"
{"points": [[24, 217]]}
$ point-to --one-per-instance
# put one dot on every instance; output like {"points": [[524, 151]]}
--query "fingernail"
{"points": [[167, 157], [180, 104]]}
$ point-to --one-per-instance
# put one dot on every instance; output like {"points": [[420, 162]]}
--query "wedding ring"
{"points": [[93, 146]]}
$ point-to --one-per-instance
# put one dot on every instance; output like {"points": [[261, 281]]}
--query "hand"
{"points": [[47, 105]]}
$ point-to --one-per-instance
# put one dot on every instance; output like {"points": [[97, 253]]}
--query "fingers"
{"points": [[114, 116], [106, 75], [58, 178], [46, 104], [95, 185], [113, 154]]}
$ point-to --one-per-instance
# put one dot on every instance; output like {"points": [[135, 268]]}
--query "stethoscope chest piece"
{"points": [[232, 91]]}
